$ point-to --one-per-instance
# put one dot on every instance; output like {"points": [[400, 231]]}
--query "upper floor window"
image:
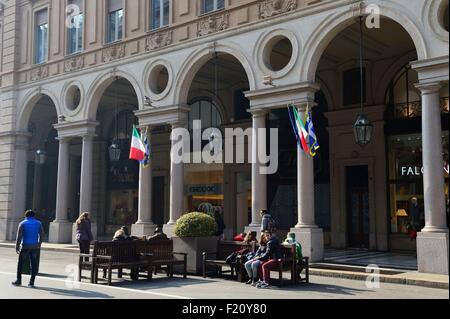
{"points": [[115, 20], [212, 5], [352, 86], [41, 36], [76, 26], [160, 13]]}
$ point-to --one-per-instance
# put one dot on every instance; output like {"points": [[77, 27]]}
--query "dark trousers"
{"points": [[24, 253], [85, 246]]}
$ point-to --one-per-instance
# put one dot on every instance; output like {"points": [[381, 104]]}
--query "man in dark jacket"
{"points": [[28, 243], [269, 258]]}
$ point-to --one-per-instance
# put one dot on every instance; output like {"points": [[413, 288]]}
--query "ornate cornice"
{"points": [[74, 64], [113, 52], [158, 40], [213, 24], [270, 8]]}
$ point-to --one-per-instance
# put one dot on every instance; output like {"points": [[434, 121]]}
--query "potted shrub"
{"points": [[194, 235]]}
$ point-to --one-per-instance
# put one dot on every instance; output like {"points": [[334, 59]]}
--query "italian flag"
{"points": [[137, 151]]}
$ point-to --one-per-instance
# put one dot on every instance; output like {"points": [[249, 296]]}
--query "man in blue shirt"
{"points": [[28, 243]]}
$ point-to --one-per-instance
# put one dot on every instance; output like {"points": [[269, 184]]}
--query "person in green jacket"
{"points": [[290, 240]]}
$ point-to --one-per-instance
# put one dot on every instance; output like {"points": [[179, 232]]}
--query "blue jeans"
{"points": [[24, 253], [251, 267]]}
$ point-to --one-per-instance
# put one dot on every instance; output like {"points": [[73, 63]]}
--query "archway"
{"points": [[42, 158], [116, 177], [367, 224], [215, 94]]}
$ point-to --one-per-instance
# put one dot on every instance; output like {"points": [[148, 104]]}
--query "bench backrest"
{"points": [[160, 249], [120, 251], [226, 248], [289, 255]]}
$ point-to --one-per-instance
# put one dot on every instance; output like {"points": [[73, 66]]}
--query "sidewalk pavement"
{"points": [[395, 276]]}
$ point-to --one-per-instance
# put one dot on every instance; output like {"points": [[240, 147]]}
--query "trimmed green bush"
{"points": [[195, 225]]}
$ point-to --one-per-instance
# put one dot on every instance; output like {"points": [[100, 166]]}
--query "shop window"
{"points": [[352, 86], [404, 99], [406, 181]]}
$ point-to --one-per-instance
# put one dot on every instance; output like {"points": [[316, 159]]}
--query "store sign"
{"points": [[204, 189], [416, 170]]}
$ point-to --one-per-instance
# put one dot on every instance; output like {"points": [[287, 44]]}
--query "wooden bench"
{"points": [[115, 255], [289, 262], [162, 254], [225, 249]]}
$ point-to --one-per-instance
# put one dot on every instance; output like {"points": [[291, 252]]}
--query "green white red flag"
{"points": [[137, 150]]}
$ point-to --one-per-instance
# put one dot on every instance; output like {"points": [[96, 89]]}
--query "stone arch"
{"points": [[336, 23], [383, 85], [206, 95], [99, 86], [29, 103], [197, 59]]}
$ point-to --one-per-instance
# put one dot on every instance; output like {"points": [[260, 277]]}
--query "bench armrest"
{"points": [[182, 254], [86, 255]]}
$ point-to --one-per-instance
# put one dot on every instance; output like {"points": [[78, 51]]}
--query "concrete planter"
{"points": [[194, 248]]}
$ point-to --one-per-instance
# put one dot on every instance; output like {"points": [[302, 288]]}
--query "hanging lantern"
{"points": [[41, 157], [114, 152], [363, 129]]}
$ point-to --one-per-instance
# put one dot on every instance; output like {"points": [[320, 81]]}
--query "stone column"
{"points": [[433, 240], [20, 182], [60, 228], [145, 226], [176, 187], [86, 180], [259, 181], [306, 230]]}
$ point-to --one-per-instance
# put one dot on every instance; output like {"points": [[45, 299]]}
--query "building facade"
{"points": [[76, 75]]}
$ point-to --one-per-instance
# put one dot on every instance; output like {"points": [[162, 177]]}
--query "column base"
{"points": [[169, 230], [60, 232], [143, 229], [8, 229], [311, 240], [432, 252], [74, 232]]}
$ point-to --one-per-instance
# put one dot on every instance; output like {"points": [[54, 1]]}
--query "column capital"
{"points": [[258, 112], [429, 87], [88, 137], [64, 139]]}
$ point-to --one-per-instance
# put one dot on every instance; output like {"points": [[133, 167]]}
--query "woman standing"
{"points": [[84, 233]]}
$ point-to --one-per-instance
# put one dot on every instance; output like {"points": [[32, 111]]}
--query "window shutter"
{"points": [[115, 5], [42, 17]]}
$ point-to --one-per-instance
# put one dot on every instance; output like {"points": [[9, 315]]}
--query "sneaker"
{"points": [[31, 285], [17, 283], [263, 285], [249, 282], [256, 283]]}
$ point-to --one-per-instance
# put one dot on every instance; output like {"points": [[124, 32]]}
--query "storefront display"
{"points": [[406, 182]]}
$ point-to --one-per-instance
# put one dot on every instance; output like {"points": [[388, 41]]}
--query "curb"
{"points": [[383, 278]]}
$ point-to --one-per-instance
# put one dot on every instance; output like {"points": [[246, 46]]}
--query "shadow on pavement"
{"points": [[322, 288], [76, 293]]}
